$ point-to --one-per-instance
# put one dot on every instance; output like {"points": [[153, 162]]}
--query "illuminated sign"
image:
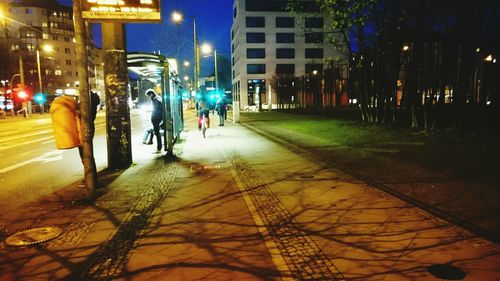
{"points": [[122, 10]]}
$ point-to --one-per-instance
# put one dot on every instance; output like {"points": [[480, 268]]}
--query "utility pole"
{"points": [[90, 172], [21, 70], [39, 70], [216, 77], [196, 57]]}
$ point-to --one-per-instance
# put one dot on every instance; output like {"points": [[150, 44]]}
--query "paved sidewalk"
{"points": [[237, 206]]}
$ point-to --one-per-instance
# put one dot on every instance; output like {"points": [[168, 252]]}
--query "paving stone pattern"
{"points": [[109, 260], [304, 258]]}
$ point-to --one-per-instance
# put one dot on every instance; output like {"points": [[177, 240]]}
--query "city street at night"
{"points": [[28, 143], [228, 210], [241, 140]]}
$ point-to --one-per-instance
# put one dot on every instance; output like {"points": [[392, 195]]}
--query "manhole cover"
{"points": [[446, 272], [34, 236]]}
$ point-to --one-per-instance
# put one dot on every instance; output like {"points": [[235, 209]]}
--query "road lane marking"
{"points": [[45, 158], [25, 142]]}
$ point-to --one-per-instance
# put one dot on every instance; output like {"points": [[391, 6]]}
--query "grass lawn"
{"points": [[460, 176]]}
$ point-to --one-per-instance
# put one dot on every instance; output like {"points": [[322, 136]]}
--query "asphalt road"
{"points": [[30, 164]]}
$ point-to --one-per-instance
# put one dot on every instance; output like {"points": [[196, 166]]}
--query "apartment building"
{"points": [[268, 42], [46, 27]]}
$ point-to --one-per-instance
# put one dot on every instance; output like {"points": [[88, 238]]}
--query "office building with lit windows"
{"points": [[269, 42], [46, 27]]}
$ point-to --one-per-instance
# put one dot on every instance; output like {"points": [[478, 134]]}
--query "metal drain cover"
{"points": [[446, 272], [34, 236]]}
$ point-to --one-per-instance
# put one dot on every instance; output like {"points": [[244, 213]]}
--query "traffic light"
{"points": [[39, 98], [22, 95]]}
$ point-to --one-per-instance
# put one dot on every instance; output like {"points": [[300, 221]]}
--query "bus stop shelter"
{"points": [[158, 73]]}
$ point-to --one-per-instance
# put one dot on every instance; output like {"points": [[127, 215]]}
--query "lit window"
{"points": [[58, 72]]}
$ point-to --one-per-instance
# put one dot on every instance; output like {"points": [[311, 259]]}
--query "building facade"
{"points": [[41, 34], [270, 45]]}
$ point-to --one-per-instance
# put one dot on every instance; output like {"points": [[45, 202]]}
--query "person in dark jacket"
{"points": [[94, 104], [156, 117], [221, 109]]}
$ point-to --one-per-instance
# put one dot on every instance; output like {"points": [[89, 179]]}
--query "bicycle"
{"points": [[205, 124]]}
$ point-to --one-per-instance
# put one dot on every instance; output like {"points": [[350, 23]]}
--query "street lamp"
{"points": [[177, 18], [207, 49], [48, 49]]}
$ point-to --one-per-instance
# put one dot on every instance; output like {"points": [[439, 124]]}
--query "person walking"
{"points": [[221, 108], [203, 111], [156, 117]]}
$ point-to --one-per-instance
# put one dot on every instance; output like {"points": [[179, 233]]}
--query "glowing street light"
{"points": [[177, 18], [207, 50], [47, 48]]}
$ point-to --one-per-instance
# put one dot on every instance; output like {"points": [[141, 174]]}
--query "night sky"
{"points": [[213, 25]]}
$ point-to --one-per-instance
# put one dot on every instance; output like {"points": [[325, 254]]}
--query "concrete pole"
{"points": [[168, 138], [87, 132], [196, 58], [39, 70], [118, 125], [216, 77], [21, 70]]}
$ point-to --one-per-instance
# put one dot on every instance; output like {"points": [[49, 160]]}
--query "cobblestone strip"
{"points": [[108, 261], [305, 260]]}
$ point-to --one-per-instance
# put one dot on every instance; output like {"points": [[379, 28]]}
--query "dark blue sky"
{"points": [[213, 25]]}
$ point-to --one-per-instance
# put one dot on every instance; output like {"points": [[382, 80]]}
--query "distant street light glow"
{"points": [[406, 48], [177, 17], [47, 48], [206, 48]]}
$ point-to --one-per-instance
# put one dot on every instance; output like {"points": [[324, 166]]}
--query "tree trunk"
{"points": [[89, 166]]}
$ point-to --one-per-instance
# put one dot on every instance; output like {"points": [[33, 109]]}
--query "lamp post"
{"points": [[207, 49], [46, 48], [177, 18]]}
